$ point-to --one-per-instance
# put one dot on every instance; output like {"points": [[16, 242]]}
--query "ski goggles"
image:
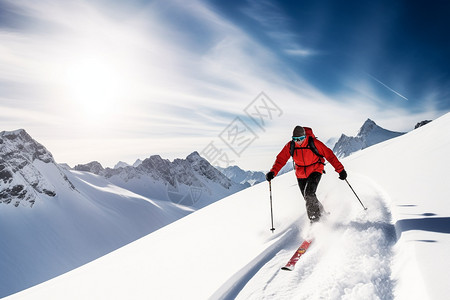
{"points": [[298, 138]]}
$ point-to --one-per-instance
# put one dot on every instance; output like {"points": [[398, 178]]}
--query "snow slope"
{"points": [[394, 250], [76, 226], [413, 174]]}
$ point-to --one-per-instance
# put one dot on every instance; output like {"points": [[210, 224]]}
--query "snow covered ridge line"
{"points": [[160, 168], [21, 181], [238, 175], [192, 182]]}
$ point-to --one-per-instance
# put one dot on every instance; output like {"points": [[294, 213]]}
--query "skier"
{"points": [[308, 154]]}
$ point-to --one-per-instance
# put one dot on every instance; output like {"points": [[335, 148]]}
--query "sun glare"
{"points": [[95, 64], [94, 84]]}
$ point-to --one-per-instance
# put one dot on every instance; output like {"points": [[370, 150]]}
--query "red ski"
{"points": [[300, 251]]}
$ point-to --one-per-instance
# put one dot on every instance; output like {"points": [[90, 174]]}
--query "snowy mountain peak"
{"points": [[20, 141], [238, 175], [121, 164], [368, 127], [92, 167], [195, 159], [137, 162], [22, 161], [369, 134], [194, 156]]}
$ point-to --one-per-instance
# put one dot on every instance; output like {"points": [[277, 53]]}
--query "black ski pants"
{"points": [[308, 187]]}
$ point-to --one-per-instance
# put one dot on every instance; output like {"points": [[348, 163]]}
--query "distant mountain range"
{"points": [[191, 182], [236, 174]]}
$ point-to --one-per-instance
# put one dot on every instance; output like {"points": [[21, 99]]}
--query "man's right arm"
{"points": [[281, 159]]}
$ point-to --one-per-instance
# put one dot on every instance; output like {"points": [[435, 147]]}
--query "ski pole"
{"points": [[271, 210], [355, 194]]}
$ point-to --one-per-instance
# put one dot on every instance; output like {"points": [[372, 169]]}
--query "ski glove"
{"points": [[342, 175], [270, 176]]}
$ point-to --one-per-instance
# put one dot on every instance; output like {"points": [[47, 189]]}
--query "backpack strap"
{"points": [[292, 148], [311, 146]]}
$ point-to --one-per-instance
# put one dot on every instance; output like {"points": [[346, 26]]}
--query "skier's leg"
{"points": [[302, 185], [308, 187], [313, 206]]}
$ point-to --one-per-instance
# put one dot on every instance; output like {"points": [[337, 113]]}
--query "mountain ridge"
{"points": [[238, 175], [192, 181], [21, 181]]}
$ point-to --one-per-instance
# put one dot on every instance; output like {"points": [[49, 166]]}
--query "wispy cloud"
{"points": [[276, 25], [301, 52]]}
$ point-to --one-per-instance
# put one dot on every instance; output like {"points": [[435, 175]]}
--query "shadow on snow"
{"points": [[439, 225]]}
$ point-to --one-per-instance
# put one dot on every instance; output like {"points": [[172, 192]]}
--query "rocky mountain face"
{"points": [[121, 164], [369, 134], [92, 167], [22, 161], [192, 181], [422, 123]]}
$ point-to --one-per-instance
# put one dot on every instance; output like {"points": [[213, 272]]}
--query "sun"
{"points": [[95, 85]]}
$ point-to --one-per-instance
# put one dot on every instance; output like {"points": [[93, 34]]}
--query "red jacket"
{"points": [[306, 162]]}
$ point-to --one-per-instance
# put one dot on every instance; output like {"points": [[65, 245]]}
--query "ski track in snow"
{"points": [[350, 257], [231, 289]]}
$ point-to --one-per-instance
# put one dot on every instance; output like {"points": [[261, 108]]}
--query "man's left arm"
{"points": [[329, 155]]}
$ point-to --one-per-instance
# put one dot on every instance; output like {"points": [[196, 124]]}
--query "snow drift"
{"points": [[395, 249]]}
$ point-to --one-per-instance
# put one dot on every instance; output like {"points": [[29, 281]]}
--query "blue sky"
{"points": [[402, 44], [121, 80]]}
